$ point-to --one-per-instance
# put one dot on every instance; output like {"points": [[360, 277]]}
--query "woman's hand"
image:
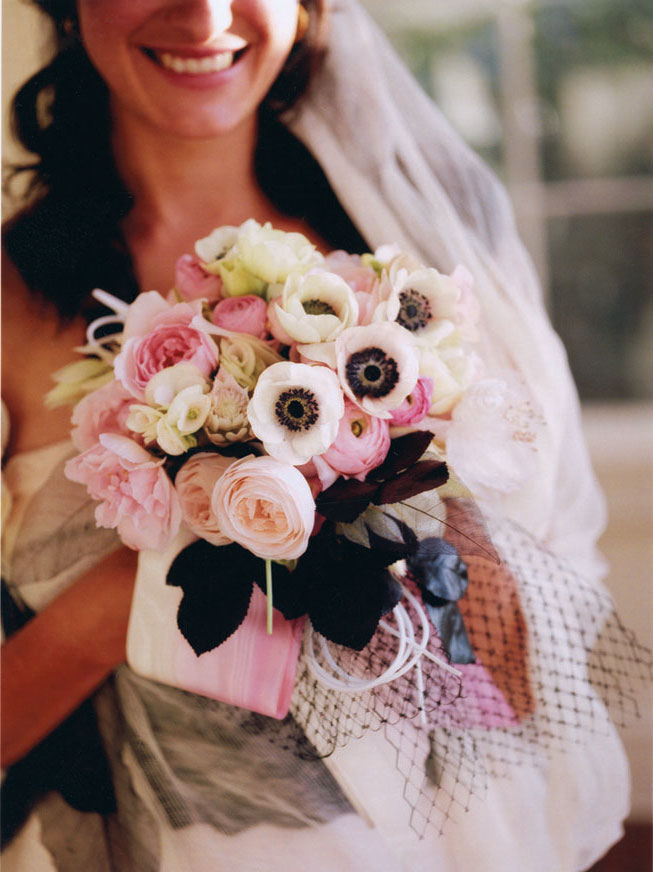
{"points": [[64, 653]]}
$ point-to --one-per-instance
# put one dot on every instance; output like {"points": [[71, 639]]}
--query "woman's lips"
{"points": [[191, 65]]}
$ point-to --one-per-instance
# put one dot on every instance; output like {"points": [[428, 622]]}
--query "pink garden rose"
{"points": [[246, 314], [192, 282], [416, 405], [136, 496], [361, 444], [171, 336], [266, 506], [194, 484], [103, 411]]}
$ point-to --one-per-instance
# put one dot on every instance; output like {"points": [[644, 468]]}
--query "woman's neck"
{"points": [[182, 189]]}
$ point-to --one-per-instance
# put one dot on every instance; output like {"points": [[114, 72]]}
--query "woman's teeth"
{"points": [[196, 66]]}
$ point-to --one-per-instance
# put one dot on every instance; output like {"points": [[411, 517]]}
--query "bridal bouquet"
{"points": [[298, 413]]}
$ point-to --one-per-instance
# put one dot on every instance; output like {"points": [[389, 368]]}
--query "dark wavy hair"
{"points": [[67, 240]]}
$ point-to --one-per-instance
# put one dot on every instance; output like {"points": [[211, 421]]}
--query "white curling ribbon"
{"points": [[96, 345], [409, 656]]}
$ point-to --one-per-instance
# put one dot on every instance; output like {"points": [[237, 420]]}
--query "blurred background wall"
{"points": [[558, 96]]}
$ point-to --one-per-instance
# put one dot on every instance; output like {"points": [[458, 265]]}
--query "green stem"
{"points": [[268, 592]]}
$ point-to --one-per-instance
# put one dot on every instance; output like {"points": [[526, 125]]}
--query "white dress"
{"points": [[201, 785]]}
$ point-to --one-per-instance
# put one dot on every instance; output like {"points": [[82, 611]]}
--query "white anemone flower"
{"points": [[216, 246], [378, 366], [316, 307], [427, 304], [295, 411], [273, 254]]}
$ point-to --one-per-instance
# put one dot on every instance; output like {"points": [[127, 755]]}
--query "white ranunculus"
{"points": [[316, 307], [164, 386], [245, 357], [273, 254], [377, 366], [189, 409], [216, 246], [295, 410]]}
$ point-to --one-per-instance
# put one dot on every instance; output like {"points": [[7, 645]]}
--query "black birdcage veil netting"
{"points": [[555, 668]]}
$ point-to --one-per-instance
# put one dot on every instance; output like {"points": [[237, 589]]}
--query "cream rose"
{"points": [[266, 506], [194, 484]]}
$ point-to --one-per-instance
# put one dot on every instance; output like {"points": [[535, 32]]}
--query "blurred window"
{"points": [[557, 95]]}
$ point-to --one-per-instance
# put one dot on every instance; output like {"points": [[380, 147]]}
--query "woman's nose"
{"points": [[200, 20]]}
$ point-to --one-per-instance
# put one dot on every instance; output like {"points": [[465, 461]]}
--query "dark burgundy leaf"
{"points": [[407, 533], [423, 476], [346, 499], [348, 609], [396, 550], [404, 452], [217, 585]]}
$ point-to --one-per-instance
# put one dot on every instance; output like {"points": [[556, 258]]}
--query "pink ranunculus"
{"points": [[136, 495], [193, 282], [194, 485], [246, 314], [173, 335], [361, 444], [416, 405], [266, 506], [103, 411]]}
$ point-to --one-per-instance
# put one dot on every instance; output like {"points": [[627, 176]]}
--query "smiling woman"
{"points": [[156, 121], [187, 69]]}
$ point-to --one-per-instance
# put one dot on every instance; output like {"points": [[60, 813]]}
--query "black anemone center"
{"points": [[414, 310], [318, 307], [296, 409], [371, 373]]}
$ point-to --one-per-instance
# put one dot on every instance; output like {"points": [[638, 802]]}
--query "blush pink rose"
{"points": [[136, 496], [174, 335], [246, 314], [361, 444], [416, 405], [194, 484], [266, 506], [103, 411], [192, 282]]}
